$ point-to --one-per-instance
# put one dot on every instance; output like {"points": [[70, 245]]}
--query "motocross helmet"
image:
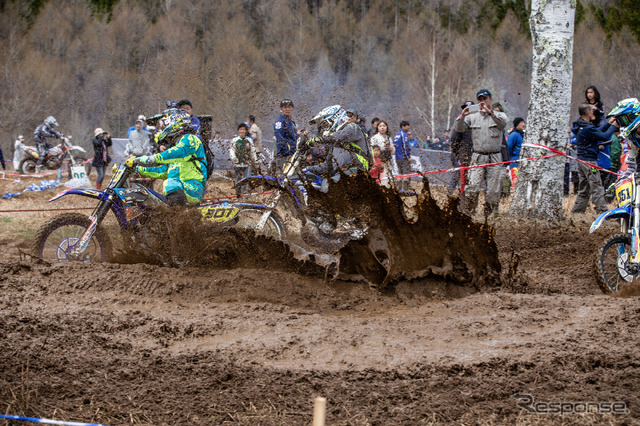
{"points": [[172, 123], [627, 114], [330, 119], [51, 122]]}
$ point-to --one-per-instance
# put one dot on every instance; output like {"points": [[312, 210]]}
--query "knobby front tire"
{"points": [[58, 236]]}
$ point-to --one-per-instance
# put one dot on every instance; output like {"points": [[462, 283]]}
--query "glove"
{"points": [[130, 161], [146, 160]]}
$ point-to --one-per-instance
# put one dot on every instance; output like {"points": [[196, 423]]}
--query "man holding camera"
{"points": [[486, 127]]}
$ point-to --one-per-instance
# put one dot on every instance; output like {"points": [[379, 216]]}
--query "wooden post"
{"points": [[319, 411]]}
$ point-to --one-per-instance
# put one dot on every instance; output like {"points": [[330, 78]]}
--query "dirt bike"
{"points": [[76, 237], [54, 157], [322, 231], [618, 260]]}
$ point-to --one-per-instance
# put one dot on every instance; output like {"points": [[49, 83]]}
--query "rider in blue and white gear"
{"points": [[41, 134], [627, 115]]}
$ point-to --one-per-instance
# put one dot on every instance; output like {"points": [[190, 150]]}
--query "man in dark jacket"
{"points": [[461, 150], [590, 140], [101, 158], [286, 134]]}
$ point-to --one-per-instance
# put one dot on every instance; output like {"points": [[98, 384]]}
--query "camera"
{"points": [[474, 108]]}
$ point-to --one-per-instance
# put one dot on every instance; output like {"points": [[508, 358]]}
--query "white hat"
{"points": [[20, 137], [98, 131], [142, 117]]}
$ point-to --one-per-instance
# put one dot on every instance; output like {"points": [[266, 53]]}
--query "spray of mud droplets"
{"points": [[438, 242]]}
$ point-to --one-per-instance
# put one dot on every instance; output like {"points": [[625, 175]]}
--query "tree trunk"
{"points": [[539, 188]]}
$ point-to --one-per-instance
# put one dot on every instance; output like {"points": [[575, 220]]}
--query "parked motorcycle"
{"points": [[618, 260], [76, 237], [54, 157]]}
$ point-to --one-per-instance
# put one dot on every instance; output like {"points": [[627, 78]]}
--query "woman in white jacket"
{"points": [[383, 140]]}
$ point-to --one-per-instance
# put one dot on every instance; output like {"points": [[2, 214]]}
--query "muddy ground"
{"points": [[144, 344]]}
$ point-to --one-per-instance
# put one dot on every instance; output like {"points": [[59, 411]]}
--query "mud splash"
{"points": [[435, 242], [178, 237], [441, 242]]}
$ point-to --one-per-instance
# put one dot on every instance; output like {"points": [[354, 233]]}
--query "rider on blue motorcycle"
{"points": [[627, 115], [182, 164], [348, 147]]}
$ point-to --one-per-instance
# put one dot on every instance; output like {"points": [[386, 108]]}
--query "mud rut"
{"points": [[143, 344]]}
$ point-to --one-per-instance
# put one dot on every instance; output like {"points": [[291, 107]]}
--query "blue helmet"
{"points": [[627, 114]]}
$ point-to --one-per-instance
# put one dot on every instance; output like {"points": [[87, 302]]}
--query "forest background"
{"points": [[100, 63]]}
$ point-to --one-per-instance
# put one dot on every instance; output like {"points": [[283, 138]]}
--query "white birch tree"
{"points": [[538, 191]]}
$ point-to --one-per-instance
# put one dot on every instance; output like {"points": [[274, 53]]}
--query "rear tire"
{"points": [[56, 237], [27, 166], [611, 260]]}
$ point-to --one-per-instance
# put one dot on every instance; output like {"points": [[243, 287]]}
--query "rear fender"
{"points": [[611, 214], [79, 148]]}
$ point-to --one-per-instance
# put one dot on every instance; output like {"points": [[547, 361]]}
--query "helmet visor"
{"points": [[625, 119]]}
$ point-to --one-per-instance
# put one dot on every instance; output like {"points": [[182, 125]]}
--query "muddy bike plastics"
{"points": [[618, 259], [80, 238]]}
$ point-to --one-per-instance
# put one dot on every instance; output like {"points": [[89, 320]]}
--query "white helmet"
{"points": [[50, 122], [330, 118]]}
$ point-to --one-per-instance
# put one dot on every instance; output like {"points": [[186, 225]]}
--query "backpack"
{"points": [[210, 157]]}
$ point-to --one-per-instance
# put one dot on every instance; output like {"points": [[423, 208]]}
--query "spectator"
{"points": [[514, 143], [589, 139], [571, 166], [592, 97], [101, 157], [243, 154], [286, 134], [486, 127], [436, 145], [378, 165], [374, 126], [256, 134], [4, 167], [143, 120], [18, 153], [461, 150], [139, 143], [186, 106], [382, 139], [403, 154], [428, 143], [446, 139], [413, 142]]}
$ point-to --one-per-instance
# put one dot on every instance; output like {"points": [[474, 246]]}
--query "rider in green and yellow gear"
{"points": [[182, 164]]}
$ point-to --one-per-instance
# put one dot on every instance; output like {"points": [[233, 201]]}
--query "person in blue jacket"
{"points": [[514, 143], [403, 154], [590, 140], [286, 134]]}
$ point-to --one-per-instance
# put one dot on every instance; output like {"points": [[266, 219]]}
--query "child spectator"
{"points": [[243, 154], [378, 164]]}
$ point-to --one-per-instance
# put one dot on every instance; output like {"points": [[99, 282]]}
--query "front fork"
{"points": [[265, 216], [635, 238], [96, 219]]}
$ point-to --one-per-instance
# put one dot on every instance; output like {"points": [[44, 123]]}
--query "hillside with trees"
{"points": [[100, 63]]}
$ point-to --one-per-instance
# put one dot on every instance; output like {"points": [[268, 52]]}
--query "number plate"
{"points": [[624, 192], [219, 213]]}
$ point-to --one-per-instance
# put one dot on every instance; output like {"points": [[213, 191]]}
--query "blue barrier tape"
{"points": [[47, 421]]}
